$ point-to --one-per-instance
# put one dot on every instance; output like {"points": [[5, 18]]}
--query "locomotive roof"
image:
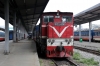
{"points": [[59, 12]]}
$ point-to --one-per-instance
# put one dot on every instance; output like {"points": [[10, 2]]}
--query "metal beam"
{"points": [[18, 13], [35, 7], [31, 14], [31, 19], [1, 4], [30, 7], [88, 20]]}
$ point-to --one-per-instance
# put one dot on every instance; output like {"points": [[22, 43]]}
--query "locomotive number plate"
{"points": [[57, 16]]}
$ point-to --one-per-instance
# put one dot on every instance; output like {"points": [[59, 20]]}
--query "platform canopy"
{"points": [[2, 29], [28, 11], [88, 15]]}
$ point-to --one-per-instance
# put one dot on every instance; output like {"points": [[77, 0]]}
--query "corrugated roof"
{"points": [[28, 11], [88, 15]]}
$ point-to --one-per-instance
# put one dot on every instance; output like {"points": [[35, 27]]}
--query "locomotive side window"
{"points": [[45, 18], [51, 19], [67, 19], [48, 19]]}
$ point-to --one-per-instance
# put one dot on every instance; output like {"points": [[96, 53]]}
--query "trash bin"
{"points": [[81, 40]]}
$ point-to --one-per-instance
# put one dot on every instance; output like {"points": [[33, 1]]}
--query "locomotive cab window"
{"points": [[67, 19], [48, 19]]}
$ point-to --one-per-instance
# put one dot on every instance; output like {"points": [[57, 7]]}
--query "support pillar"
{"points": [[90, 26], [6, 50], [14, 26], [24, 33], [17, 32], [19, 29], [79, 31]]}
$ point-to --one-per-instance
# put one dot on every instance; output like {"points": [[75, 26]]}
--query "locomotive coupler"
{"points": [[60, 48]]}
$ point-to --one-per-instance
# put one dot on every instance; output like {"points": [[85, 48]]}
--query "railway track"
{"points": [[88, 50], [64, 62]]}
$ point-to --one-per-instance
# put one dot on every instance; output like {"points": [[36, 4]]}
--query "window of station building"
{"points": [[48, 19], [67, 19]]}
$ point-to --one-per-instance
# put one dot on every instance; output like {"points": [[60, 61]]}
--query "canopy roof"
{"points": [[28, 11], [88, 15]]}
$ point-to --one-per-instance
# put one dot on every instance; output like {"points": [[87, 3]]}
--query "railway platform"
{"points": [[22, 53], [92, 45]]}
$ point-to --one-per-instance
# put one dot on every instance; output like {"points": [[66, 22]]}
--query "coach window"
{"points": [[84, 34], [99, 33], [67, 19], [48, 19], [95, 33]]}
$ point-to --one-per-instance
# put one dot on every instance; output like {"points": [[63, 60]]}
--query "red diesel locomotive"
{"points": [[55, 34]]}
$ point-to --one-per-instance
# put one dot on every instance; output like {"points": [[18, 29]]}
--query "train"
{"points": [[2, 35], [54, 34], [95, 35]]}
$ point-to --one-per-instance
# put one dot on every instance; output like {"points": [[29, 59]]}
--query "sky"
{"points": [[75, 6], [2, 24]]}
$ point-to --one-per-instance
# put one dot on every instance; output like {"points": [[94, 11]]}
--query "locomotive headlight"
{"points": [[69, 41], [66, 40], [53, 41], [49, 40]]}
